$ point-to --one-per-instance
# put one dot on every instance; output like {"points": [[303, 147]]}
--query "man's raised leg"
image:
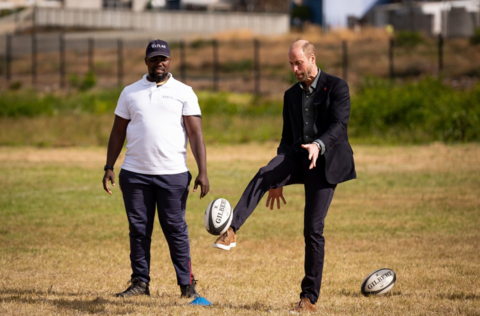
{"points": [[276, 174]]}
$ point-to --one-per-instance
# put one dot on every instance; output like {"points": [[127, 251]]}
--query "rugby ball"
{"points": [[218, 217], [379, 282]]}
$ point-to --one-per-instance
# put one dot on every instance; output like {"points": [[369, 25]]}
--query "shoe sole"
{"points": [[128, 296], [233, 244]]}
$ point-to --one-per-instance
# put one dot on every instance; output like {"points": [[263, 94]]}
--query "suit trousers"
{"points": [[286, 170], [141, 193]]}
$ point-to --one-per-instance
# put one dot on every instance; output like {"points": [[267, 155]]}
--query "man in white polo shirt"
{"points": [[157, 115]]}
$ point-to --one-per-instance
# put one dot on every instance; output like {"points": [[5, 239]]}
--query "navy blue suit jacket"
{"points": [[332, 111]]}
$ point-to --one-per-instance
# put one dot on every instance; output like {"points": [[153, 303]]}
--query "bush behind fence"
{"points": [[382, 111]]}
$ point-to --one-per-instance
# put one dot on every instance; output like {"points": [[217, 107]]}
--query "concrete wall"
{"points": [[183, 23], [83, 4], [139, 5]]}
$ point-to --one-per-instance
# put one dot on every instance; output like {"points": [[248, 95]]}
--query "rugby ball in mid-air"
{"points": [[379, 282], [218, 217]]}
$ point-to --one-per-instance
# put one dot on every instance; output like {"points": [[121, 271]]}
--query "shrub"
{"points": [[382, 110], [415, 112], [475, 39], [73, 80], [237, 66], [88, 82], [290, 78], [199, 43], [19, 103], [15, 85], [408, 39]]}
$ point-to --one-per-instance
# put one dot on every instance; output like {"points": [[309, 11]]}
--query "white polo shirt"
{"points": [[156, 135]]}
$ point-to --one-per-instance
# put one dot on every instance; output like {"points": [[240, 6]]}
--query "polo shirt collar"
{"points": [[145, 82]]}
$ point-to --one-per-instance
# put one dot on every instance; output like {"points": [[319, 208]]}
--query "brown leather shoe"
{"points": [[227, 240], [304, 306]]}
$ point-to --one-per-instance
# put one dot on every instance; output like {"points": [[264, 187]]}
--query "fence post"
{"points": [[120, 61], [345, 60], [440, 53], [390, 57], [256, 46], [91, 48], [8, 57], [34, 58], [182, 61], [61, 48], [215, 65]]}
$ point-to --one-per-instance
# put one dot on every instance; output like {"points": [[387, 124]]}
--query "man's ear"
{"points": [[146, 61]]}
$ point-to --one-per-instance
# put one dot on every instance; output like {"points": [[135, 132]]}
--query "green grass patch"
{"points": [[415, 112], [383, 111]]}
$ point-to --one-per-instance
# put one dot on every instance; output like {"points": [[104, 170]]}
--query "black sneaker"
{"points": [[137, 287], [188, 291]]}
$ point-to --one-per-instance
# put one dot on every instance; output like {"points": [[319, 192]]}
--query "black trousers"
{"points": [[141, 193], [285, 170]]}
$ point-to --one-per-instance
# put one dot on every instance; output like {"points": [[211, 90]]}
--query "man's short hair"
{"points": [[308, 49]]}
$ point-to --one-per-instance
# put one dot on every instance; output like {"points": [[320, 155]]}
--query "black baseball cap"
{"points": [[157, 48]]}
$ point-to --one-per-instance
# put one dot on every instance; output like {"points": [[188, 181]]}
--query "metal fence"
{"points": [[53, 61]]}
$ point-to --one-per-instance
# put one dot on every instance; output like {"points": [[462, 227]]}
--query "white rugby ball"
{"points": [[218, 217], [379, 282]]}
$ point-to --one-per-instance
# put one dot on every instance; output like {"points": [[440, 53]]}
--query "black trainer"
{"points": [[188, 291], [137, 287]]}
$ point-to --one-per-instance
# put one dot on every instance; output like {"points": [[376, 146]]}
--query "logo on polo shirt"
{"points": [[158, 46]]}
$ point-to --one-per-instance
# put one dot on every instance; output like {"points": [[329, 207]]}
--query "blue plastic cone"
{"points": [[201, 301]]}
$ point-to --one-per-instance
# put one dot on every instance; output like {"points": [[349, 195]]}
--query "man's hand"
{"points": [[109, 176], [275, 194], [313, 152], [202, 181]]}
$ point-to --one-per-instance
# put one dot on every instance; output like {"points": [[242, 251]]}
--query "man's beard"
{"points": [[158, 77], [306, 74]]}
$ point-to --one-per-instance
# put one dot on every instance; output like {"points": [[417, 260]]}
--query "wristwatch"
{"points": [[318, 145], [108, 167]]}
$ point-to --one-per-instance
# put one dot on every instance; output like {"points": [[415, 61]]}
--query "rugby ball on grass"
{"points": [[218, 217], [379, 282]]}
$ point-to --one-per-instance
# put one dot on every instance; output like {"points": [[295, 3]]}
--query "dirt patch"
{"points": [[372, 159]]}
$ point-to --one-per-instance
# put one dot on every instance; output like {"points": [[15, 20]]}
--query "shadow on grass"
{"points": [[258, 306], [349, 293], [50, 291], [108, 303], [102, 305], [97, 305], [459, 296]]}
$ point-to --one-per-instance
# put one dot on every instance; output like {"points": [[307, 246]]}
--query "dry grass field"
{"points": [[415, 209]]}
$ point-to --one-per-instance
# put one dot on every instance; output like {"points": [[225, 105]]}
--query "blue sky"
{"points": [[336, 11]]}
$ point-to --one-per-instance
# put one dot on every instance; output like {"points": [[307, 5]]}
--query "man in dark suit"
{"points": [[314, 151]]}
